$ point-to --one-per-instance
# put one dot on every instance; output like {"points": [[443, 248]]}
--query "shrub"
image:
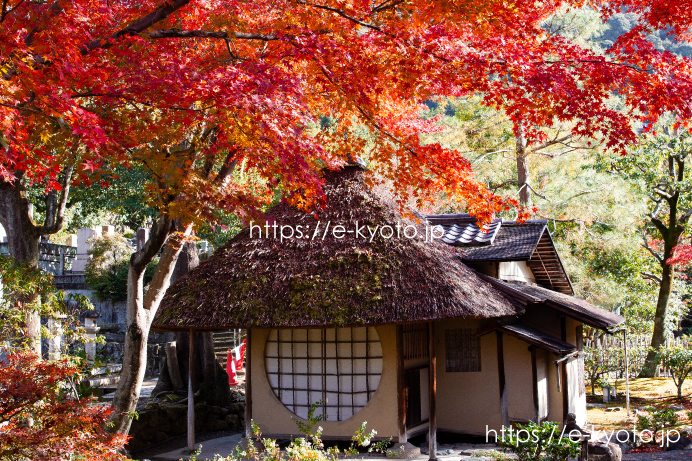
{"points": [[658, 420], [540, 442], [106, 271], [64, 426], [678, 360], [307, 448]]}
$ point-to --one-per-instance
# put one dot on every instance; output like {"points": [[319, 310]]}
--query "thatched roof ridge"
{"points": [[315, 282]]}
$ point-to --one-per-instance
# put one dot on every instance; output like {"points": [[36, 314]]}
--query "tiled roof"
{"points": [[577, 308], [469, 234], [509, 242], [532, 336]]}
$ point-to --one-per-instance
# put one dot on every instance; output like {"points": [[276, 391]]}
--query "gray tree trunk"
{"points": [[211, 381], [141, 310], [23, 234], [659, 335], [523, 178]]}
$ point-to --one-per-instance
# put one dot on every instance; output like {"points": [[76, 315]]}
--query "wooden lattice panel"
{"points": [[340, 368]]}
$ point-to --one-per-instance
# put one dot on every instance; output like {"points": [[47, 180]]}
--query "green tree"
{"points": [[678, 360], [659, 169]]}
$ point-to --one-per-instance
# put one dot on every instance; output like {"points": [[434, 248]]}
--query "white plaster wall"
{"points": [[516, 271], [467, 402], [519, 379]]}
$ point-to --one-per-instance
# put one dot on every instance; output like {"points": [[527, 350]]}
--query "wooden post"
{"points": [[401, 384], [534, 376], [248, 385], [432, 375], [565, 387], [627, 371], [501, 375], [191, 396]]}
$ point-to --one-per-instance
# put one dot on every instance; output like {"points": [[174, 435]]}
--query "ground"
{"points": [[644, 392], [657, 392]]}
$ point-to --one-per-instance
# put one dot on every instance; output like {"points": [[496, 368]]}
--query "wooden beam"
{"points": [[432, 375], [565, 382], [191, 395], [501, 376], [248, 384], [534, 377], [401, 384]]}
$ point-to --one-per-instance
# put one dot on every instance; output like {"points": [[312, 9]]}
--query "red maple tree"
{"points": [[192, 88], [62, 426]]}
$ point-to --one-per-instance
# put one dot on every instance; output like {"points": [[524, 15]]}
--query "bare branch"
{"points": [[653, 252], [651, 277], [550, 143]]}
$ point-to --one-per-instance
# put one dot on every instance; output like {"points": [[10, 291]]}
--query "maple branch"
{"points": [[157, 237], [550, 143], [341, 13], [386, 6], [229, 164], [139, 26], [489, 153], [528, 186], [646, 275], [55, 210], [220, 34], [54, 9], [653, 252], [495, 187]]}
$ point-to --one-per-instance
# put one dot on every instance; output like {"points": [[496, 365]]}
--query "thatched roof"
{"points": [[313, 282]]}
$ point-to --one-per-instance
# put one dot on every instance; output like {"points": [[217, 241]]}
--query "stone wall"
{"points": [[161, 422]]}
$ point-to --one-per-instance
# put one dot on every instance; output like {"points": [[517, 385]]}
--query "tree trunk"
{"points": [[141, 310], [22, 239], [659, 336], [523, 178], [211, 381]]}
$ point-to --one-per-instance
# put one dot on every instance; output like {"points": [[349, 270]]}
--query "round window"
{"points": [[335, 370]]}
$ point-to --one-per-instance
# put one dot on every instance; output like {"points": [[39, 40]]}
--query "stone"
{"points": [[595, 405], [233, 421], [403, 451], [676, 442], [604, 452], [179, 426], [614, 409], [218, 425], [201, 408], [160, 436], [626, 440], [175, 412], [152, 406], [214, 411], [676, 407]]}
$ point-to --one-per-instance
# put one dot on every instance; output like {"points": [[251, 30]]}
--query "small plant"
{"points": [[495, 455], [658, 420], [311, 421], [308, 448], [689, 414], [678, 360], [540, 442]]}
